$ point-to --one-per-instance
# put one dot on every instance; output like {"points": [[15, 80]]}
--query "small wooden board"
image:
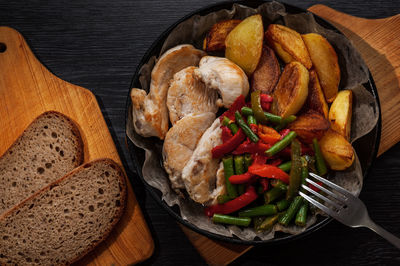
{"points": [[378, 41], [28, 89]]}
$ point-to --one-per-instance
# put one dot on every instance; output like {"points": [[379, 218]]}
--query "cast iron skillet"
{"points": [[366, 147]]}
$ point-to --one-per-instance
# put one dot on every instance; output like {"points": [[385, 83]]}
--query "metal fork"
{"points": [[344, 207]]}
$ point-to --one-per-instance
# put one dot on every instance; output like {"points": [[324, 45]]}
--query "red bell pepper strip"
{"points": [[284, 132], [269, 171], [264, 184], [259, 159], [241, 179], [268, 135], [226, 134], [254, 128], [236, 106], [275, 162], [251, 147], [236, 204], [265, 101], [227, 147], [314, 187]]}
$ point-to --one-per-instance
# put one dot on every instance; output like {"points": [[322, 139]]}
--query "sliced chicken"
{"points": [[200, 173], [150, 113], [225, 76], [180, 142], [189, 95]]}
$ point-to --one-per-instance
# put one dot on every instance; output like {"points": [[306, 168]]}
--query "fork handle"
{"points": [[383, 233]]}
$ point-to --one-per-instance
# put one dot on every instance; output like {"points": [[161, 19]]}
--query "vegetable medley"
{"points": [[261, 157]]}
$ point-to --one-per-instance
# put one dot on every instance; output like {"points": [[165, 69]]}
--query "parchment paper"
{"points": [[354, 73]]}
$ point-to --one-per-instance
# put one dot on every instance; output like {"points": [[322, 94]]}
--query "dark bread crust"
{"points": [[75, 130], [122, 182]]}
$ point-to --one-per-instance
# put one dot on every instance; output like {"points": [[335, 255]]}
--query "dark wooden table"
{"points": [[98, 44]]}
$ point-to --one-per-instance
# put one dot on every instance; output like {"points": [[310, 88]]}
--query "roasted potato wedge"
{"points": [[288, 44], [325, 62], [215, 38], [310, 125], [267, 73], [316, 99], [244, 43], [337, 151], [341, 112], [291, 91]]}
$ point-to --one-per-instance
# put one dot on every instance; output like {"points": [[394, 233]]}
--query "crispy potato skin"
{"points": [[325, 61], [291, 91], [215, 38], [310, 125], [337, 151], [244, 43], [316, 99], [288, 44], [341, 112], [267, 73]]}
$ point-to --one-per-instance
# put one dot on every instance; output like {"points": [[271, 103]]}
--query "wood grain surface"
{"points": [[27, 89], [98, 44]]}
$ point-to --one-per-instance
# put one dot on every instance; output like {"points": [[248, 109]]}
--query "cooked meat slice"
{"points": [[220, 187], [189, 95], [267, 73], [150, 114], [199, 174], [225, 76], [180, 143]]}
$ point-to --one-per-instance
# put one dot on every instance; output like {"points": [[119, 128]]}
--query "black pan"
{"points": [[366, 147]]}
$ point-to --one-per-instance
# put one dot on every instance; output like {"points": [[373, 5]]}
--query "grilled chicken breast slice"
{"points": [[150, 113], [181, 141], [187, 94]]}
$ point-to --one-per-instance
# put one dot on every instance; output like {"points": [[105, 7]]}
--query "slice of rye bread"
{"points": [[50, 147], [62, 222]]}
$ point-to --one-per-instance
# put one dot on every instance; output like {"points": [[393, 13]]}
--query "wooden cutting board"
{"points": [[378, 41], [28, 89]]}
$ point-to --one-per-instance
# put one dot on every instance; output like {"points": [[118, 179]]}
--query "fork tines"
{"points": [[334, 203]]}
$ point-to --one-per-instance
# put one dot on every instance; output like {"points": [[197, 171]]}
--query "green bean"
{"points": [[295, 170], [268, 222], [319, 159], [257, 221], [256, 107], [277, 182], [226, 219], [230, 124], [246, 111], [239, 169], [228, 172], [280, 145], [267, 210], [239, 164], [285, 122], [286, 166], [282, 204], [310, 163], [274, 193], [301, 216], [248, 160], [276, 119], [304, 172], [223, 199], [291, 211], [249, 133], [251, 120]]}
